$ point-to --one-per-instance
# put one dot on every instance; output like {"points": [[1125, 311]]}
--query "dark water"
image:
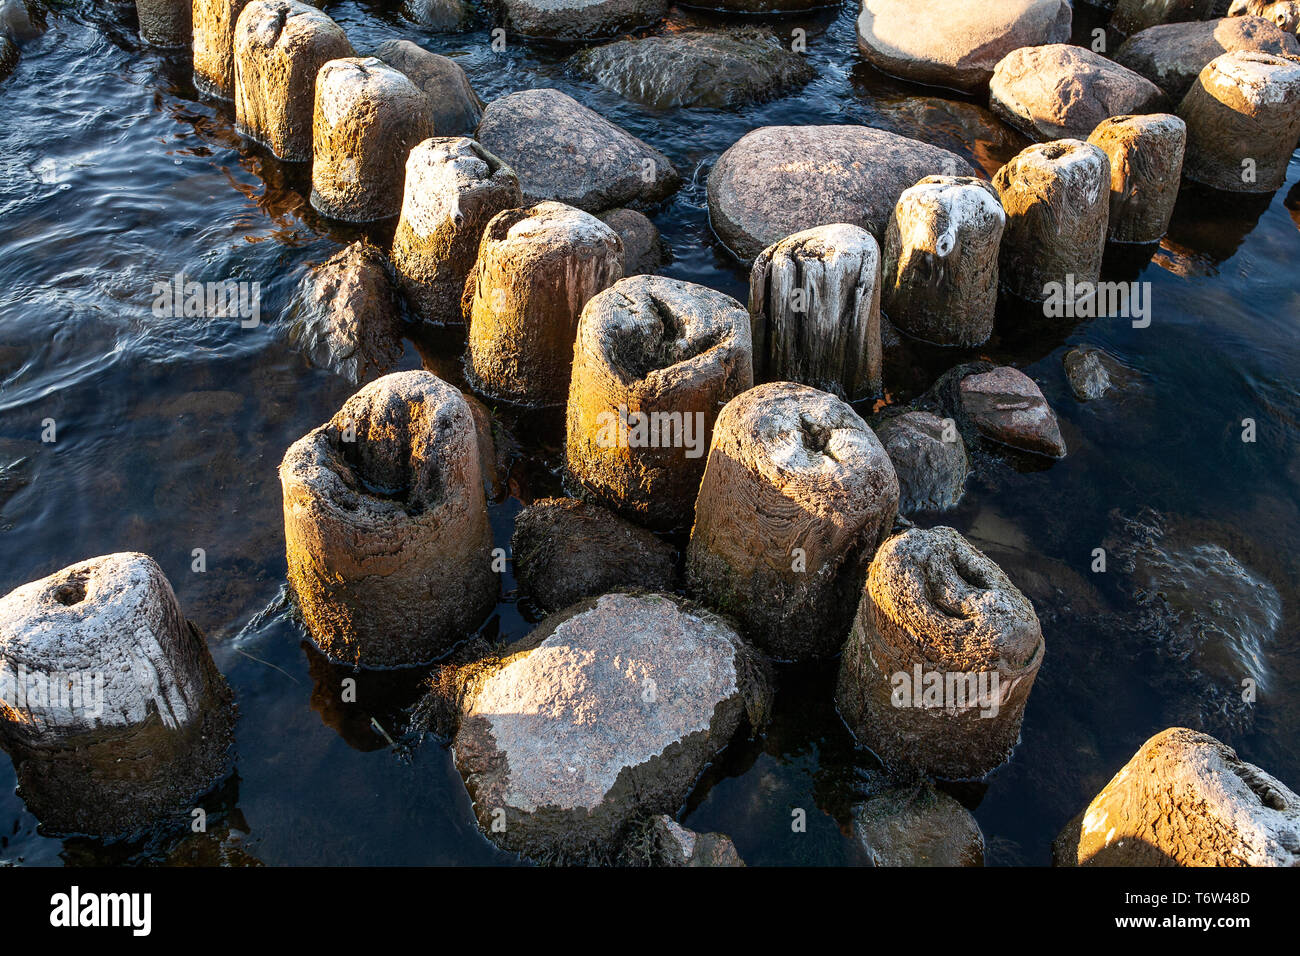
{"points": [[169, 431]]}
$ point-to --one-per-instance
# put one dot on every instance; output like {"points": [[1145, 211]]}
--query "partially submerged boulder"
{"points": [[1063, 91], [454, 107], [917, 825], [344, 317], [929, 458], [578, 19], [1172, 55], [779, 180], [563, 151], [955, 43], [566, 550], [608, 711], [696, 68], [1133, 16], [1186, 799], [443, 16], [643, 249], [1006, 406]]}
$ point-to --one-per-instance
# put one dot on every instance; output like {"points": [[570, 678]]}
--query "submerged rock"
{"points": [[1092, 372], [917, 826], [779, 180], [1006, 406], [21, 20], [438, 15], [1171, 55], [955, 43], [1209, 618], [929, 458], [1186, 799], [344, 317], [1063, 91], [563, 151], [579, 19], [566, 550], [611, 709], [696, 68]]}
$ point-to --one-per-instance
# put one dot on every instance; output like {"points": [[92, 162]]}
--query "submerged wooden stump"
{"points": [[655, 361], [214, 46], [1057, 201], [113, 710], [386, 524], [941, 260], [797, 495], [815, 301], [164, 23], [368, 117], [280, 46], [941, 657], [1243, 120], [536, 269], [1146, 165], [453, 189]]}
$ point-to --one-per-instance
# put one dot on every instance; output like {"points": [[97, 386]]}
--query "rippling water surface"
{"points": [[116, 176]]}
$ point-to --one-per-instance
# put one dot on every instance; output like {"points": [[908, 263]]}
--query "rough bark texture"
{"points": [[454, 107], [917, 826], [779, 180], [696, 68], [165, 721], [1186, 799], [1172, 55], [1132, 16], [344, 317], [536, 269], [934, 602], [653, 346], [564, 151], [165, 23], [610, 710], [1146, 165], [815, 302], [1062, 91], [1057, 202], [1243, 120], [453, 189], [941, 260], [387, 534], [566, 550], [578, 19], [929, 459], [280, 46], [955, 43], [367, 119], [214, 46], [797, 495], [1007, 406]]}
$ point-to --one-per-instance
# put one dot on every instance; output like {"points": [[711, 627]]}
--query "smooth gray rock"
{"points": [[643, 250], [564, 151], [454, 106], [917, 826], [344, 317], [442, 16], [696, 68], [579, 19], [779, 180], [929, 458], [955, 43], [1063, 91], [1172, 55]]}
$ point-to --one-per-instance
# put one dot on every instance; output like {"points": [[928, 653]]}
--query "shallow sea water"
{"points": [[115, 175]]}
